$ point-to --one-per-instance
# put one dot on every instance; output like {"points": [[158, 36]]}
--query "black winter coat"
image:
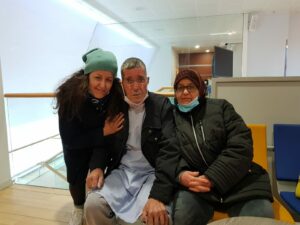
{"points": [[81, 138], [224, 152]]}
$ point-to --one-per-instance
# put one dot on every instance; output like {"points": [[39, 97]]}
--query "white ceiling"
{"points": [[185, 23]]}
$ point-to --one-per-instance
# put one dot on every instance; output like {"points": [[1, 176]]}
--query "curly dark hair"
{"points": [[73, 92]]}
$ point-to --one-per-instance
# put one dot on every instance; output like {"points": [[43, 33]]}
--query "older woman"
{"points": [[216, 169]]}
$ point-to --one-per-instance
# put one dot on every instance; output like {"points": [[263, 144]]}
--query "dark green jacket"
{"points": [[224, 154]]}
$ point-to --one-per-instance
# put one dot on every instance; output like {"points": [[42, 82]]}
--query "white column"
{"points": [[5, 178], [245, 45]]}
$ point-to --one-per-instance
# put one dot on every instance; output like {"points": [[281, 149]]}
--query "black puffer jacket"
{"points": [[222, 150]]}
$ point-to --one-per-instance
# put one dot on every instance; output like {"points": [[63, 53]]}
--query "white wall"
{"points": [[293, 56], [41, 42], [38, 46], [175, 65], [237, 59], [266, 45], [160, 68], [4, 165]]}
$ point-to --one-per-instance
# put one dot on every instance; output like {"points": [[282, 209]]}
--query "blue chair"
{"points": [[287, 160]]}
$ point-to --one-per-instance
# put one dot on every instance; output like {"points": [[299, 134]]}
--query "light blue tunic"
{"points": [[127, 188]]}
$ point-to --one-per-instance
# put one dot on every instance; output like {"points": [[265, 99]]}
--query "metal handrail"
{"points": [[54, 171], [36, 142], [46, 164], [29, 95], [52, 95]]}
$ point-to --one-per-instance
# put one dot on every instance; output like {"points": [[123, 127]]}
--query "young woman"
{"points": [[216, 169], [88, 106]]}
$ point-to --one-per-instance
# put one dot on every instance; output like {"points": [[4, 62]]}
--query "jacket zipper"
{"points": [[203, 136], [202, 130], [194, 132]]}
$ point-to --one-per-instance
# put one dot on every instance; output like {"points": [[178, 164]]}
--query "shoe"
{"points": [[77, 217]]}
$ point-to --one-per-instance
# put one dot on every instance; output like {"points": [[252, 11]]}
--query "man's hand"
{"points": [[113, 125], [95, 179], [155, 213], [194, 182]]}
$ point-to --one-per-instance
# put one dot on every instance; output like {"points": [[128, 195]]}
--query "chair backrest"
{"points": [[287, 151], [259, 136]]}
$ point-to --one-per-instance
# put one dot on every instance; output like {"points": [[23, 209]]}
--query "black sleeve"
{"points": [[75, 135], [182, 166], [100, 158], [235, 159], [167, 159]]}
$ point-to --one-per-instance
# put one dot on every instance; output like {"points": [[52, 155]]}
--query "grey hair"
{"points": [[132, 63]]}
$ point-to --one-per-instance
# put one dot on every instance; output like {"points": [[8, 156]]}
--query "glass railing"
{"points": [[35, 150]]}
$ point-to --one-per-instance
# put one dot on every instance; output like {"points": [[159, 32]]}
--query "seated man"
{"points": [[216, 169], [131, 190]]}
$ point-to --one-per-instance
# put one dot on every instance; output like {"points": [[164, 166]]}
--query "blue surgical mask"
{"points": [[188, 107]]}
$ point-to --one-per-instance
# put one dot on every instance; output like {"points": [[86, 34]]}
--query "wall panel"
{"points": [[266, 100]]}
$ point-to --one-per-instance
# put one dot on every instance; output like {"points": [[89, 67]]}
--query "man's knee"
{"points": [[91, 204], [96, 210]]}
